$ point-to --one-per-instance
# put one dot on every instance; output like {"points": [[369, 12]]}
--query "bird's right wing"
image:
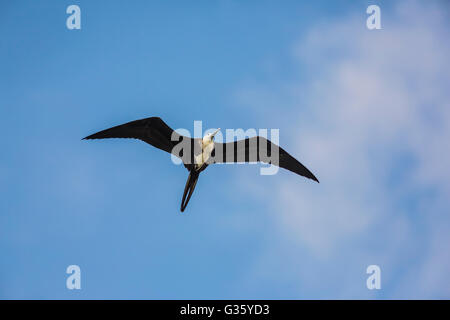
{"points": [[258, 149], [152, 130]]}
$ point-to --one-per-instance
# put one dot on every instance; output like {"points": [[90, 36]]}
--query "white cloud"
{"points": [[376, 134]]}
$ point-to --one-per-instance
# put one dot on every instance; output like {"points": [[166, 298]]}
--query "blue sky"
{"points": [[366, 111]]}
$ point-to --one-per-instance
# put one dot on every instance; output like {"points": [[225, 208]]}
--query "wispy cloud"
{"points": [[374, 126]]}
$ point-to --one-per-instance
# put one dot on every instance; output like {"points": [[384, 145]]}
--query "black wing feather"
{"points": [[153, 131], [157, 133], [259, 149]]}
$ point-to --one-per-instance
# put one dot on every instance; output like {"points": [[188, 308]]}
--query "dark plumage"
{"points": [[157, 133]]}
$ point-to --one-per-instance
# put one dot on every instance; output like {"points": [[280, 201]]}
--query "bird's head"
{"points": [[208, 138]]}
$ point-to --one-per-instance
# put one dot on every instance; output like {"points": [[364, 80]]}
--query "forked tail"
{"points": [[189, 188]]}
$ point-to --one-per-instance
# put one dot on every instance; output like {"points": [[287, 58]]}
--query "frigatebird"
{"points": [[198, 153]]}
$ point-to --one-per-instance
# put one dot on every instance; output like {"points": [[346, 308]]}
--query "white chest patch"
{"points": [[201, 158]]}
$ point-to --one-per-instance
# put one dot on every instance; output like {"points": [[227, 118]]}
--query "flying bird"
{"points": [[198, 153]]}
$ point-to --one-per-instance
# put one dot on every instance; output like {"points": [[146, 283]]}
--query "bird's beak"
{"points": [[215, 132]]}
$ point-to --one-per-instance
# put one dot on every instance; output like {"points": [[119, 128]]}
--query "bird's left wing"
{"points": [[259, 149], [152, 130]]}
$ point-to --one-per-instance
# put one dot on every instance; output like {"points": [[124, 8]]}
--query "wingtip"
{"points": [[88, 137], [313, 177]]}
